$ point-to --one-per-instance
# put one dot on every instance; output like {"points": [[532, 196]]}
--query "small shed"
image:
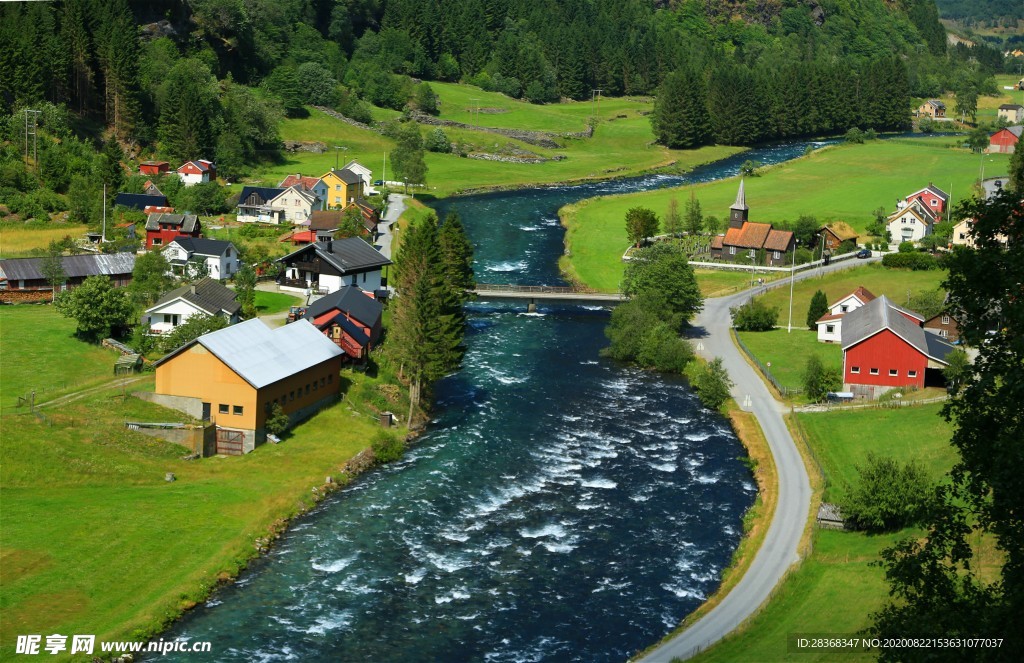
{"points": [[830, 517], [127, 364]]}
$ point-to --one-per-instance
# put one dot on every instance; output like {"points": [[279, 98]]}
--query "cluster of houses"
{"points": [[886, 346], [296, 198], [1005, 140]]}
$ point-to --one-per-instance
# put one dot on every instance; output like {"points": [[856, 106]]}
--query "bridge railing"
{"points": [[548, 289]]}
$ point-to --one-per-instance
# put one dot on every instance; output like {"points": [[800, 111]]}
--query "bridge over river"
{"points": [[550, 294]]}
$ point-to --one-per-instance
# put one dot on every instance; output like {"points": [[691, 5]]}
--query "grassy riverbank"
{"points": [[846, 182], [85, 500]]}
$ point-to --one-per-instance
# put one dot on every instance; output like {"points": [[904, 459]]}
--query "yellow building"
{"points": [[343, 187], [233, 377]]}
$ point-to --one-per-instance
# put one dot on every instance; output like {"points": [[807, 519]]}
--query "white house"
{"points": [[199, 171], [297, 204], [365, 174], [830, 325], [910, 224], [328, 266], [315, 185], [207, 297], [220, 257]]}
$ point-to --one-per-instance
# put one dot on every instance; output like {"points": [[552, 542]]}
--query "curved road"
{"points": [[779, 550]]}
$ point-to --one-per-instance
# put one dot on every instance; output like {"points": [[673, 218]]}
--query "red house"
{"points": [[1005, 140], [351, 317], [161, 229], [154, 167], [932, 198], [197, 172], [885, 346]]}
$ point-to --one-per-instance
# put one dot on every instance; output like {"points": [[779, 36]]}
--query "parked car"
{"points": [[864, 253], [378, 182]]}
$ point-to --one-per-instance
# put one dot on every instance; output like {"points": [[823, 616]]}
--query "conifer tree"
{"points": [[673, 223], [456, 256], [818, 308], [694, 217], [680, 117]]}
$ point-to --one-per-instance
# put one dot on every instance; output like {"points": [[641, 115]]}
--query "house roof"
{"points": [[842, 230], [1011, 107], [352, 165], [741, 199], [828, 317], [881, 314], [310, 198], [748, 236], [201, 245], [330, 219], [861, 293], [356, 333], [346, 176], [941, 314], [189, 222], [207, 294], [140, 200], [306, 236], [89, 264], [203, 165], [922, 216], [348, 255], [349, 299], [262, 356], [154, 163], [778, 240], [716, 241], [1015, 130], [263, 195], [306, 182], [932, 189], [936, 103]]}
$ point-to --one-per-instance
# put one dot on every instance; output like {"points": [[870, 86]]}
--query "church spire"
{"points": [[741, 199]]}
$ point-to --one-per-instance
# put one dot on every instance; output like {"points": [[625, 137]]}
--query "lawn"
{"points": [[275, 302], [837, 587], [21, 241], [846, 182], [92, 501], [788, 352], [40, 352], [718, 282]]}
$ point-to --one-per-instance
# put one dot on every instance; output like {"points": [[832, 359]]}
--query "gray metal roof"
{"points": [[89, 264], [262, 356], [186, 222], [348, 255], [208, 294], [201, 245], [347, 176], [351, 300], [879, 314]]}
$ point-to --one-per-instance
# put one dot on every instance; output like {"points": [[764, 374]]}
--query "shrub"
{"points": [[662, 349], [906, 247], [437, 141], [818, 379], [278, 422], [818, 308], [386, 447], [712, 384], [913, 261], [754, 316], [887, 496]]}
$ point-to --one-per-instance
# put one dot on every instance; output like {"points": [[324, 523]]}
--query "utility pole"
{"points": [[103, 233], [595, 102], [337, 151], [33, 130], [476, 106], [792, 277]]}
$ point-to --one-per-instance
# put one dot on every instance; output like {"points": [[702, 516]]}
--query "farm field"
{"points": [[837, 587], [845, 182], [20, 241], [85, 499]]}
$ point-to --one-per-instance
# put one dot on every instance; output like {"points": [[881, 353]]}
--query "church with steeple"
{"points": [[745, 240]]}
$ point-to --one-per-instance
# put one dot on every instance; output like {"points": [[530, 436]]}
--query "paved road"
{"points": [[779, 550], [396, 205]]}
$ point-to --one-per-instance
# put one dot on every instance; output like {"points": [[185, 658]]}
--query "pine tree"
{"points": [[680, 117], [189, 111], [818, 308], [456, 256], [694, 222]]}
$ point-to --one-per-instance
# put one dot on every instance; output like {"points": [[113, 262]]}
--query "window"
{"points": [[776, 255], [323, 381], [307, 389], [844, 308], [291, 395], [315, 385], [732, 250], [337, 187], [944, 333], [911, 374], [157, 241], [873, 371], [222, 408], [330, 378], [830, 329], [945, 319], [364, 277], [893, 372], [237, 410], [855, 369]]}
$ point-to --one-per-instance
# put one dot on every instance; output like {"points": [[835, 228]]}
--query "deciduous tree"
{"points": [[694, 217], [97, 307], [641, 223], [818, 308]]}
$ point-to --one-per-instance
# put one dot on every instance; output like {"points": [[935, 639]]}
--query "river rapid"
{"points": [[559, 507]]}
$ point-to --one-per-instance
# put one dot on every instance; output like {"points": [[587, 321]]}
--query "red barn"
{"points": [[161, 229], [154, 167], [933, 198], [885, 346], [1005, 140]]}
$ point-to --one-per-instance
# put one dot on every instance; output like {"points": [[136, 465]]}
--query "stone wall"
{"points": [[200, 440], [193, 407]]}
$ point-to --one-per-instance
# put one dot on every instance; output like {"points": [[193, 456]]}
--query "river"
{"points": [[560, 506]]}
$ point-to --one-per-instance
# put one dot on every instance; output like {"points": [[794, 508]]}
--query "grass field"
{"points": [[845, 182], [838, 586], [85, 502], [40, 352], [274, 302], [19, 241], [788, 352]]}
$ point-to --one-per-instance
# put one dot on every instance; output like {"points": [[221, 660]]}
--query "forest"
{"points": [[121, 80]]}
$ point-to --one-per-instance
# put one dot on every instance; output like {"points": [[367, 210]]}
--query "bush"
{"points": [[712, 384], [818, 379], [278, 422], [754, 316], [386, 447], [906, 247], [437, 141], [662, 349], [887, 497], [913, 261], [818, 308]]}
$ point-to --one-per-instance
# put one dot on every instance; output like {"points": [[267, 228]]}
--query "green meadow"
{"points": [[842, 183], [787, 352]]}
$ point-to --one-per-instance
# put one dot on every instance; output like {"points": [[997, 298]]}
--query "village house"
{"points": [[945, 325], [233, 377], [743, 239], [296, 204], [962, 235], [199, 171], [314, 185], [350, 317], [154, 167], [932, 198], [254, 205], [1012, 113], [328, 266], [364, 173], [885, 346], [140, 201], [830, 325], [343, 187], [161, 228], [910, 223], [20, 274], [932, 108], [834, 234], [326, 222], [1005, 140], [219, 257], [206, 297]]}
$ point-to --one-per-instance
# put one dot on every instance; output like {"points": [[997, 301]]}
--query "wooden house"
{"points": [[162, 228], [254, 205], [834, 234], [1005, 140], [945, 325], [328, 266], [235, 376], [932, 108], [830, 325], [1012, 113], [19, 274], [745, 240], [154, 167], [206, 297], [199, 171], [351, 317], [343, 187]]}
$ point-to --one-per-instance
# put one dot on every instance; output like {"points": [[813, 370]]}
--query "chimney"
{"points": [[330, 246], [193, 289]]}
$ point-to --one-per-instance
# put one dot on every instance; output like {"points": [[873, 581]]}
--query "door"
{"points": [[206, 411], [229, 442]]}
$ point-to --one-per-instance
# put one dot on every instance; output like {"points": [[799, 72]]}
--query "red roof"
{"points": [[749, 236], [304, 182], [716, 241], [302, 237], [778, 240]]}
